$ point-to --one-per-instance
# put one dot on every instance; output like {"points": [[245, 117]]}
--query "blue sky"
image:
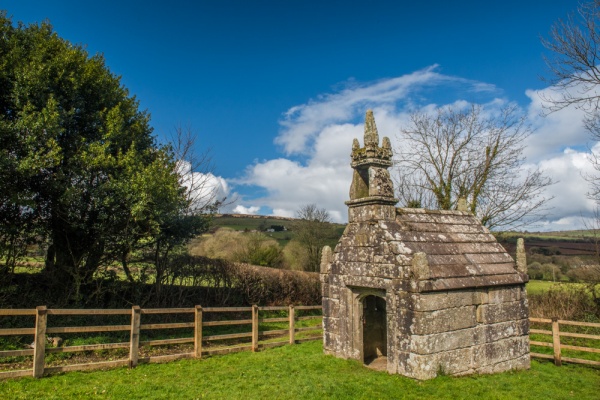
{"points": [[277, 89]]}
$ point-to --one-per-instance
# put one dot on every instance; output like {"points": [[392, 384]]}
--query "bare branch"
{"points": [[454, 153], [195, 172], [576, 75]]}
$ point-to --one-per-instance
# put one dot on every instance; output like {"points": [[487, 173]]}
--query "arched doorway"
{"points": [[374, 326]]}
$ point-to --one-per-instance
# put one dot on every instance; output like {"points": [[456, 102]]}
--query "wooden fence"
{"points": [[557, 345], [41, 329]]}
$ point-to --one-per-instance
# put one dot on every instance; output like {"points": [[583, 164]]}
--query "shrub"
{"points": [[189, 280], [534, 270], [551, 272], [245, 247], [296, 257], [569, 302]]}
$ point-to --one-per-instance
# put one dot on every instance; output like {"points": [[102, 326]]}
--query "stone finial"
{"points": [[371, 153], [372, 189], [385, 143], [326, 256], [462, 204], [521, 256], [371, 135], [420, 267]]}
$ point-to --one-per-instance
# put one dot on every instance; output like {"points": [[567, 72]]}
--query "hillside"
{"points": [[567, 243], [279, 228]]}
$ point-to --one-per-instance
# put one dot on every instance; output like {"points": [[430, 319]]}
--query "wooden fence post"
{"points": [[254, 328], [292, 325], [198, 332], [556, 342], [39, 345], [134, 341]]}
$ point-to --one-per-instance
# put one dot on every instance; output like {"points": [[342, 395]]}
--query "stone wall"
{"points": [[464, 332]]}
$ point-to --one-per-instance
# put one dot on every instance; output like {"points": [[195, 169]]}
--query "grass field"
{"points": [[538, 287], [300, 372]]}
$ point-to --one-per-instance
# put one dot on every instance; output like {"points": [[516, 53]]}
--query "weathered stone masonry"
{"points": [[432, 291]]}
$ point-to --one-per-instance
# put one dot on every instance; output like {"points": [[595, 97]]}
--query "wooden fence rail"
{"points": [[41, 329], [556, 344]]}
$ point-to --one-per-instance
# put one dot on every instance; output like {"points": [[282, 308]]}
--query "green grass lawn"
{"points": [[300, 372], [538, 287]]}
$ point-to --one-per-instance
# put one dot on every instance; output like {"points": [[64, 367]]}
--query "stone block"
{"points": [[366, 281], [504, 294], [331, 324], [335, 280], [450, 319], [335, 291], [402, 259], [398, 247], [500, 351], [441, 300], [330, 342], [355, 268], [385, 270], [331, 307], [446, 341], [454, 362], [386, 258], [336, 267], [522, 362], [364, 254], [494, 313], [503, 330]]}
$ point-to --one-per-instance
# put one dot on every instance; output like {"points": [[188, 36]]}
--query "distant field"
{"points": [[576, 244], [261, 223], [576, 235]]}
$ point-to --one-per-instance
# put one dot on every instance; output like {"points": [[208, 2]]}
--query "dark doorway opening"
{"points": [[374, 330]]}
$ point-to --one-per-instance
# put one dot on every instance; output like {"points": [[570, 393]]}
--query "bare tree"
{"points": [[575, 43], [590, 274], [195, 172], [452, 154], [313, 230]]}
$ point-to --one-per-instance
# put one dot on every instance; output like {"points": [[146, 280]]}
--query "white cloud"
{"points": [[570, 204], [205, 188], [317, 138], [555, 131], [239, 209], [290, 185], [303, 123]]}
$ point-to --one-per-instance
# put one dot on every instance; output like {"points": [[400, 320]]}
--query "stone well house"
{"points": [[421, 291]]}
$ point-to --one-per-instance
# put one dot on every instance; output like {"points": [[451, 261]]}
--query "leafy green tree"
{"points": [[79, 167], [262, 250]]}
